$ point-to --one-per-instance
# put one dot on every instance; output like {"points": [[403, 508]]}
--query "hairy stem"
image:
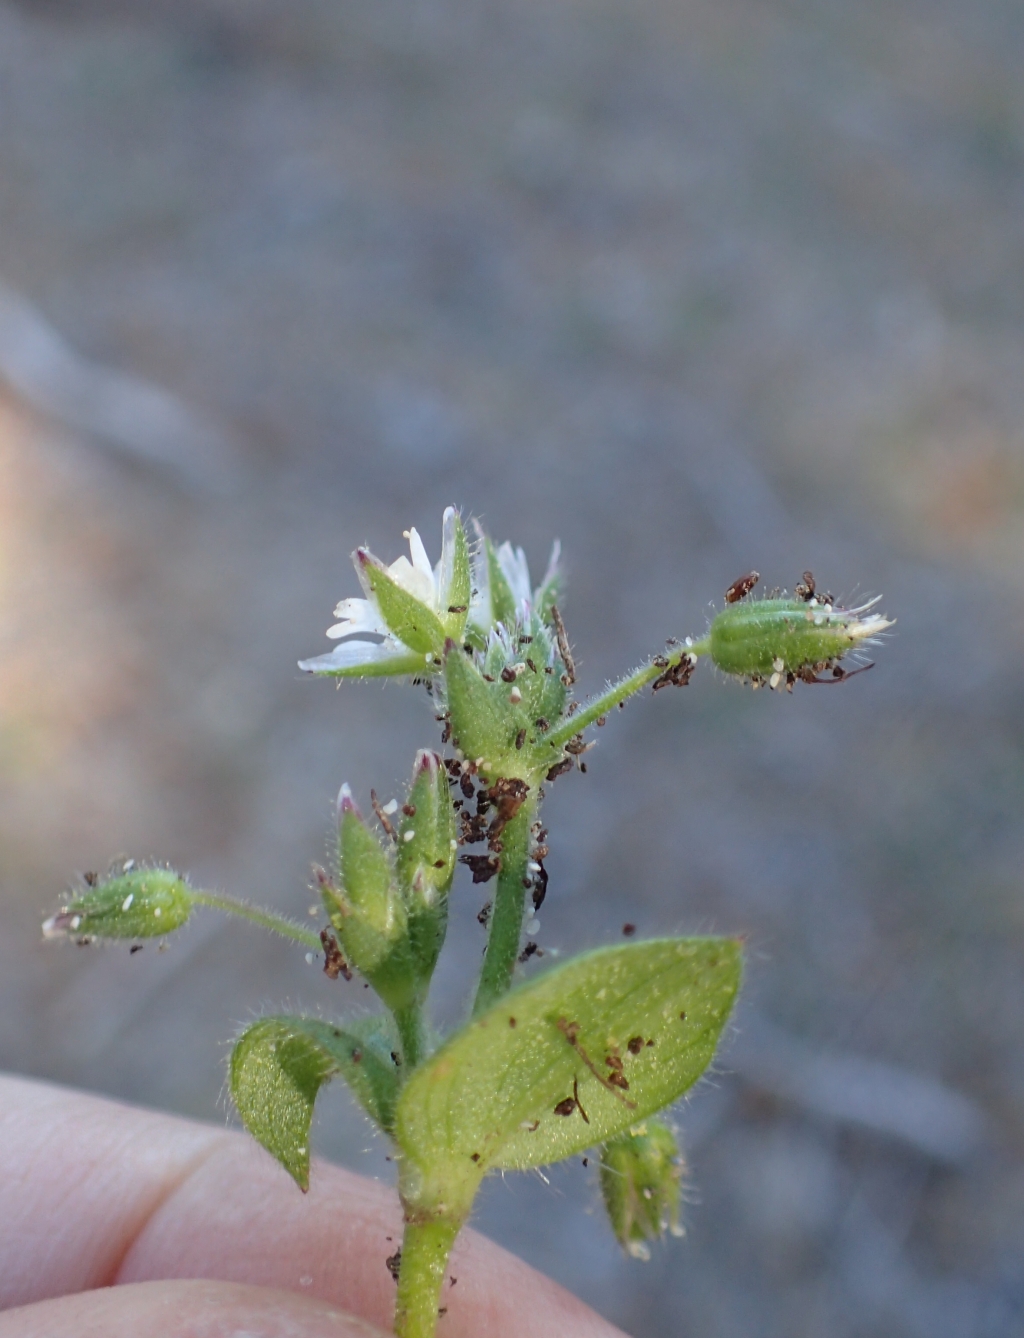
{"points": [[425, 1250], [409, 1022], [506, 924], [619, 692], [277, 924]]}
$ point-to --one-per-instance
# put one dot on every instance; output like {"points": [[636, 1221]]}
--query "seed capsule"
{"points": [[769, 639], [140, 903]]}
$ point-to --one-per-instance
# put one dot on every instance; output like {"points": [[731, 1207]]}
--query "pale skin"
{"points": [[124, 1223]]}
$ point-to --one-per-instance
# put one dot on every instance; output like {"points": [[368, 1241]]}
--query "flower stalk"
{"points": [[506, 923], [426, 1246], [662, 667]]}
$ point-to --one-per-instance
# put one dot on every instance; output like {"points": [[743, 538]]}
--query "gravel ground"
{"points": [[697, 288]]}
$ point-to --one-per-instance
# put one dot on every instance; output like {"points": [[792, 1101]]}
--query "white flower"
{"points": [[412, 606]]}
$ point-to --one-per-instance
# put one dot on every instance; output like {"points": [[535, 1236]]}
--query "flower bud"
{"points": [[138, 903], [779, 640], [366, 911], [425, 854], [641, 1175]]}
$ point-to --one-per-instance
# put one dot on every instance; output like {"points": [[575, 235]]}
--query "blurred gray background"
{"points": [[697, 286]]}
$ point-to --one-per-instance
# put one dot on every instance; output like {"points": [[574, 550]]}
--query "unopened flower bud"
{"points": [[641, 1179], [139, 903], [366, 911], [779, 640], [425, 856]]}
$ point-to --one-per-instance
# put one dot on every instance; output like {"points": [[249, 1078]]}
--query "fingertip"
{"points": [[183, 1309]]}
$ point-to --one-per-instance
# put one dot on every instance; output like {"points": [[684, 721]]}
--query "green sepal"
{"points": [[548, 596], [425, 861], [425, 853], [142, 903], [368, 912], [641, 1183], [370, 900], [503, 601], [408, 620], [501, 1093], [279, 1064], [484, 722], [394, 666], [456, 598]]}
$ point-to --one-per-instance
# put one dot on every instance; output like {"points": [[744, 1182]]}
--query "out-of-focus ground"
{"points": [[696, 286]]}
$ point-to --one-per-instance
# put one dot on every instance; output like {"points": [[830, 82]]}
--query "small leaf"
{"points": [[566, 1062], [279, 1064]]}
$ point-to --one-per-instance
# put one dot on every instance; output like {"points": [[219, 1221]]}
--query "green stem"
{"points": [[619, 692], [409, 1022], [277, 924], [506, 925], [425, 1250]]}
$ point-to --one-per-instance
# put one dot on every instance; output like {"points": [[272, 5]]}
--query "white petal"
{"points": [[413, 581], [419, 555], [351, 654], [357, 615], [517, 573], [480, 614], [552, 572], [446, 567]]}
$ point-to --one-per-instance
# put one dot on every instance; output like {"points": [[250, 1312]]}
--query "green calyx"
{"points": [[501, 708], [138, 903], [641, 1182]]}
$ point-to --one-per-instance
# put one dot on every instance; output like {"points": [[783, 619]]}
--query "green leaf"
{"points": [[409, 620], [279, 1064], [500, 1093]]}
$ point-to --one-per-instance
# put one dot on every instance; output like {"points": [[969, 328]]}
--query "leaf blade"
{"points": [[279, 1064], [488, 1098]]}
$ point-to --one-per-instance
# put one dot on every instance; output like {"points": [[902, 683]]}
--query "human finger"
{"points": [[183, 1309], [96, 1193]]}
